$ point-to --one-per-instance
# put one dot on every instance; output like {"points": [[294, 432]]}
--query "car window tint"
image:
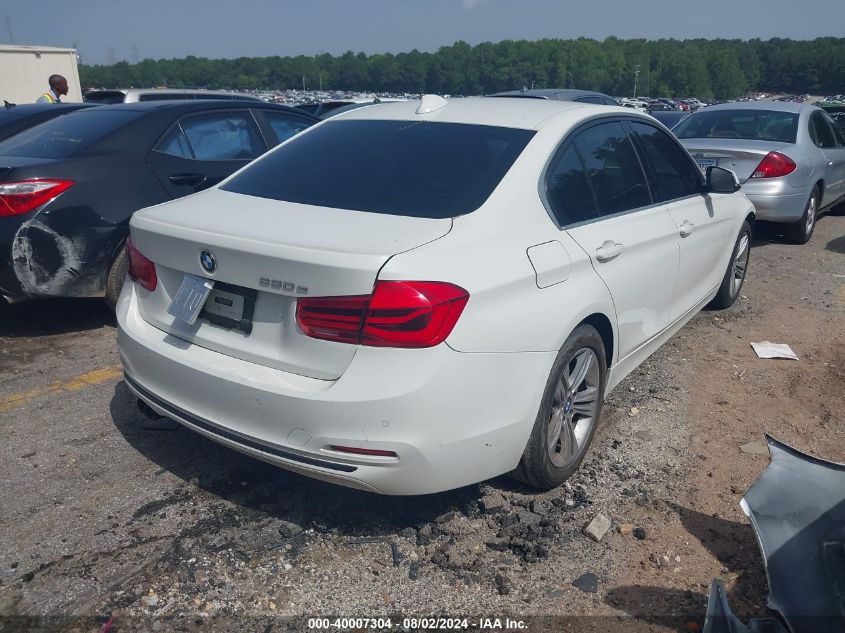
{"points": [[613, 168], [759, 125], [66, 135], [223, 136], [174, 143], [164, 96], [568, 190], [590, 99], [412, 168], [838, 130], [672, 174], [284, 125], [820, 132]]}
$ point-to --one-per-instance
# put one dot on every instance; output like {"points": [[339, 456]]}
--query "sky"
{"points": [[112, 30]]}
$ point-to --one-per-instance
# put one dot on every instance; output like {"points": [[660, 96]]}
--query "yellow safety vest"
{"points": [[49, 96]]}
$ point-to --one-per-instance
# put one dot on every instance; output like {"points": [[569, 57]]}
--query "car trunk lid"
{"points": [[268, 253], [741, 156]]}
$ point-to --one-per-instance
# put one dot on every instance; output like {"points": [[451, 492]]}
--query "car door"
{"points": [[200, 150], [836, 156], [824, 137], [704, 225], [632, 243]]}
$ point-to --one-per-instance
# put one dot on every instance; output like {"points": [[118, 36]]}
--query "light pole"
{"points": [[636, 78]]}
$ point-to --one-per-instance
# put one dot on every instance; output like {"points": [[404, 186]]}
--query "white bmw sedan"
{"points": [[416, 296]]}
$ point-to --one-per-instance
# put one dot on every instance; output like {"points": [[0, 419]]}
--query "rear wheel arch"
{"points": [[604, 327]]}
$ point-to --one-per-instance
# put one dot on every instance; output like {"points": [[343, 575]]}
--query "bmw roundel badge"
{"points": [[209, 264]]}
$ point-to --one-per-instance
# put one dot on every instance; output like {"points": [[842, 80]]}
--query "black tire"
{"points": [[536, 467], [114, 281], [729, 290], [801, 231]]}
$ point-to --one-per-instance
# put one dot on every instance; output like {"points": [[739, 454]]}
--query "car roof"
{"points": [[188, 105], [775, 106], [559, 94], [26, 109], [527, 114]]}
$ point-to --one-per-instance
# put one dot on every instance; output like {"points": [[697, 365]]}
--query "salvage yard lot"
{"points": [[105, 512]]}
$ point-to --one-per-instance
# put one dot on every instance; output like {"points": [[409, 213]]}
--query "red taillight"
{"points": [[141, 269], [397, 314], [773, 165], [363, 451], [17, 198]]}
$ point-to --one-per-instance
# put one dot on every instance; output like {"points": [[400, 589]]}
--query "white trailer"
{"points": [[24, 71]]}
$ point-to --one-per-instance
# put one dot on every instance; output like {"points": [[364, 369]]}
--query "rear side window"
{"points": [[672, 174], [66, 135], [411, 168], [568, 190], [174, 143], [613, 168], [223, 136], [820, 132], [755, 125], [284, 125]]}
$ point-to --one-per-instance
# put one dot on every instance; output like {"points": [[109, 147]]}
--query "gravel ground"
{"points": [[112, 522]]}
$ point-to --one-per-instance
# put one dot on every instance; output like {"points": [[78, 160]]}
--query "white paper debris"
{"points": [[774, 350]]}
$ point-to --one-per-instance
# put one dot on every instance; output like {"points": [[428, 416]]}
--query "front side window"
{"points": [[568, 190], [754, 125], [613, 168], [411, 168], [223, 136], [672, 174]]}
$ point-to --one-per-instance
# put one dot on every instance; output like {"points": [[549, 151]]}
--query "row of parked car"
{"points": [[356, 303]]}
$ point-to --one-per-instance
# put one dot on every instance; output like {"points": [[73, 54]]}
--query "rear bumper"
{"points": [[452, 418], [775, 206]]}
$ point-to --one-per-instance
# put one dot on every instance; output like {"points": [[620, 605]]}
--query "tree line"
{"points": [[707, 69]]}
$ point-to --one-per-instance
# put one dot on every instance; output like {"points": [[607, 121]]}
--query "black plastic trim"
{"points": [[233, 437]]}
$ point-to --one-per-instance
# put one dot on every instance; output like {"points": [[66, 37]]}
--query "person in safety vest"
{"points": [[58, 88]]}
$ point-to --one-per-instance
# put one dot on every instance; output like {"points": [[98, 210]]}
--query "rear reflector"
{"points": [[141, 269], [17, 198], [363, 451], [774, 165], [397, 314]]}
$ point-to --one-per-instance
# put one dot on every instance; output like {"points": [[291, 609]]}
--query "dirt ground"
{"points": [[111, 522]]}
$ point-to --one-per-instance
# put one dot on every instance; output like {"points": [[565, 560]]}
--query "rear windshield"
{"points": [[411, 168], [755, 125], [105, 96], [66, 135]]}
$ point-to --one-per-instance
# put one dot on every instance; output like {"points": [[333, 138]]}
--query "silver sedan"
{"points": [[789, 157]]}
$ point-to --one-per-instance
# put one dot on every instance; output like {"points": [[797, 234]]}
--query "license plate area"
{"points": [[230, 307], [704, 163], [190, 298]]}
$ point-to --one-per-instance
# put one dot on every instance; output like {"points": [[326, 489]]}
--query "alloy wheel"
{"points": [[740, 264], [811, 214], [574, 408]]}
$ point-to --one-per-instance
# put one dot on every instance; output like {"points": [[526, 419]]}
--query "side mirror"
{"points": [[720, 180]]}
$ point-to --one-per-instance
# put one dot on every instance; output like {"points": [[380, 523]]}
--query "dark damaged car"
{"points": [[69, 186]]}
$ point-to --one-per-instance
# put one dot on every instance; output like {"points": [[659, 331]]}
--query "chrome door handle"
{"points": [[686, 228], [609, 250]]}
